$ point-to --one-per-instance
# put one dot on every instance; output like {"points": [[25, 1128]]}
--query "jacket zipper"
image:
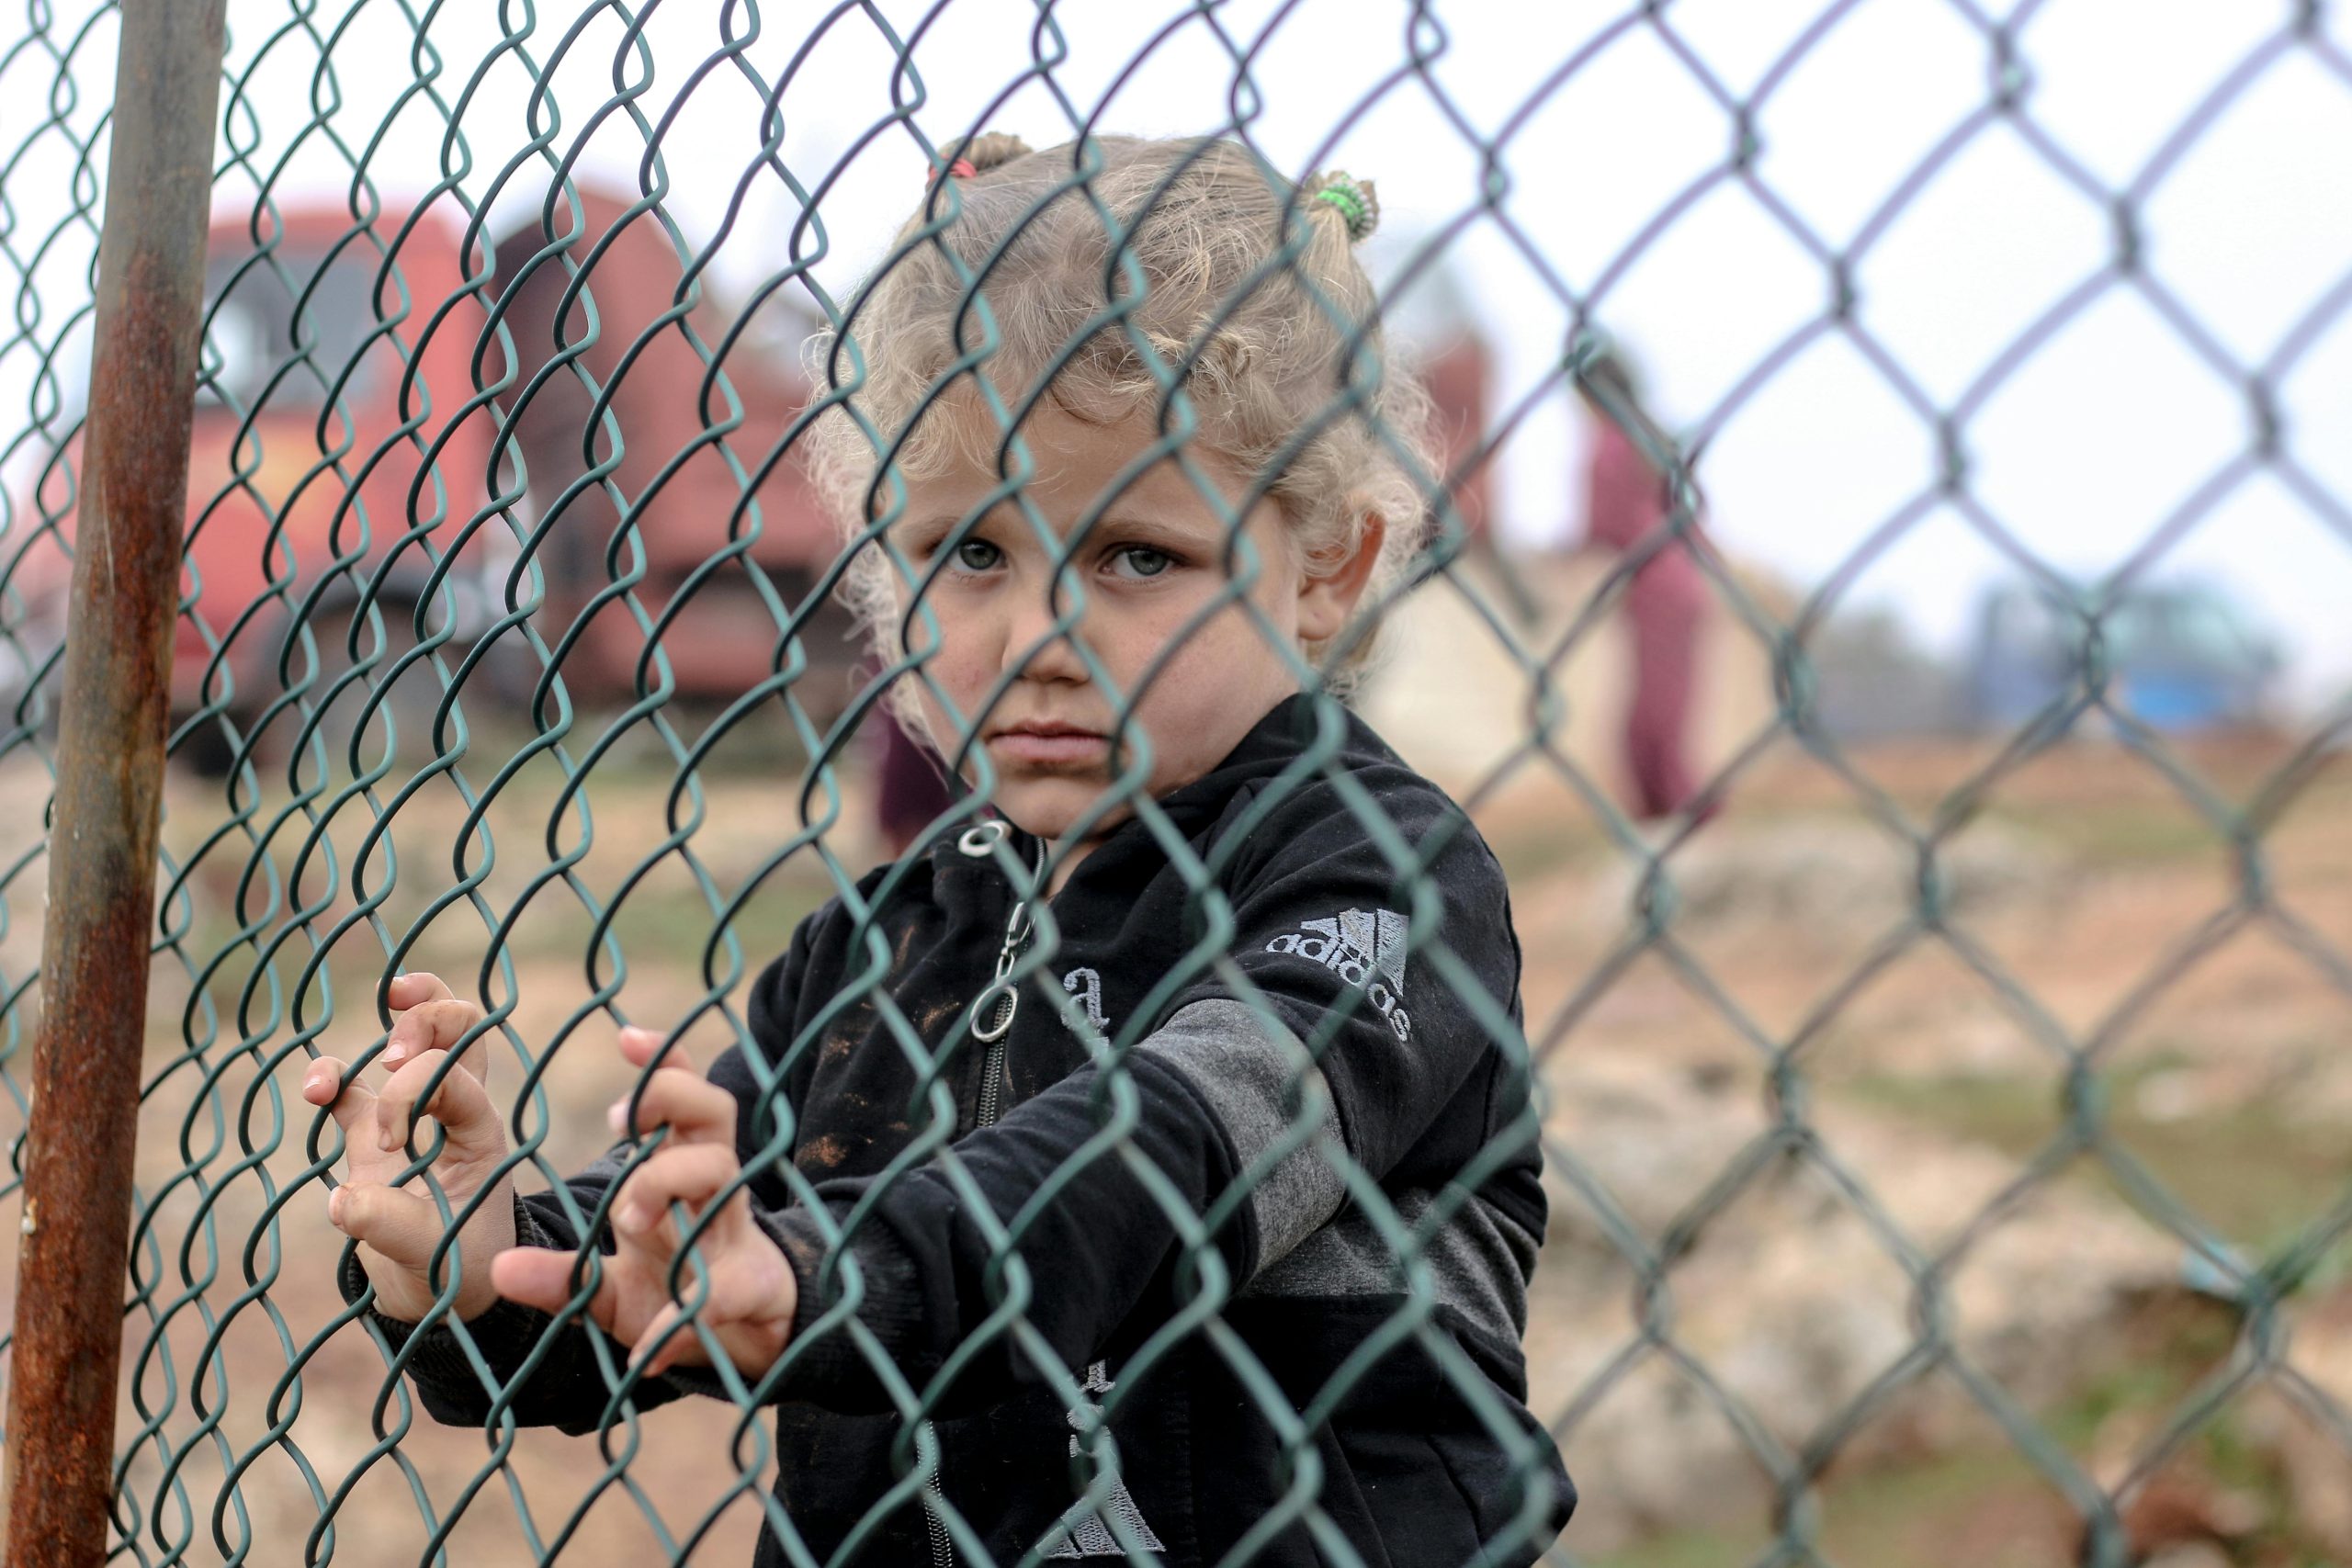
{"points": [[943, 1550], [992, 1013]]}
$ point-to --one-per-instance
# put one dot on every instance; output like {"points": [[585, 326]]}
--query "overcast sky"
{"points": [[2083, 450]]}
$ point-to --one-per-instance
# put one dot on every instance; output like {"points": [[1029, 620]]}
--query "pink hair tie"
{"points": [[961, 169]]}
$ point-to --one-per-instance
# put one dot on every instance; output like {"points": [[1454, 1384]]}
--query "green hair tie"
{"points": [[1353, 197]]}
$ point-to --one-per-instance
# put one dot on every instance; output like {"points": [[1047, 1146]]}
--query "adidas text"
{"points": [[1361, 949]]}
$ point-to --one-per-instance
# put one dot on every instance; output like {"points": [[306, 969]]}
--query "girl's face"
{"points": [[1150, 576]]}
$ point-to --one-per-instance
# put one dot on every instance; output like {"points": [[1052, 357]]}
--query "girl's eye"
{"points": [[977, 554], [1140, 560]]}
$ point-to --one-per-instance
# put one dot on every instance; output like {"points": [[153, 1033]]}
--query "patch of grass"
{"points": [[2151, 1361], [2113, 835], [1534, 850], [1983, 1504], [670, 927], [2118, 835], [2253, 1171]]}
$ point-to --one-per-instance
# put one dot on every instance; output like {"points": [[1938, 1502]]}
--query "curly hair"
{"points": [[1252, 303]]}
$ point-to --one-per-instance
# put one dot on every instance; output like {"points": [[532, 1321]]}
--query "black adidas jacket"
{"points": [[1181, 1246]]}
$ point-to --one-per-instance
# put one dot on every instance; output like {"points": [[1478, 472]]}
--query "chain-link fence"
{"points": [[1933, 1049]]}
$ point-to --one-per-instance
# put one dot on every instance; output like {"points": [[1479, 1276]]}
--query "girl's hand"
{"points": [[747, 1292], [398, 1227]]}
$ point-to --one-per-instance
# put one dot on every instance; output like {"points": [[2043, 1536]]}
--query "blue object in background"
{"points": [[2181, 657]]}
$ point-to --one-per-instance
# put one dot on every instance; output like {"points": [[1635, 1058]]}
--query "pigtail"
{"points": [[978, 154], [1336, 192]]}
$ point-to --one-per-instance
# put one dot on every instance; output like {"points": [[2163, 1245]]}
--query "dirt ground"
{"points": [[2100, 1022]]}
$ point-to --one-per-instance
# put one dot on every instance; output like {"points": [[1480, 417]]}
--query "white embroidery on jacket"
{"points": [[1086, 985], [1083, 1531], [1362, 949]]}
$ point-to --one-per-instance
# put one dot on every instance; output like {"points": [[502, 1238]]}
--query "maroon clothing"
{"points": [[1658, 717], [912, 785], [1626, 505], [1626, 502]]}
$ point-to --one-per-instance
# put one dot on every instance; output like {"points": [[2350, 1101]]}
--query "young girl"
{"points": [[1146, 1171]]}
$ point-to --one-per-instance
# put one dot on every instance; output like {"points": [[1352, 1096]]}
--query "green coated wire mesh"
{"points": [[1935, 1102]]}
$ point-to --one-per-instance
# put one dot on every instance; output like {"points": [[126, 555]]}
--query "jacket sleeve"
{"points": [[1338, 1002], [567, 1387]]}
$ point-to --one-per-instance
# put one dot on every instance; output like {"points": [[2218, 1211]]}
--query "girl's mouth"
{"points": [[1047, 745]]}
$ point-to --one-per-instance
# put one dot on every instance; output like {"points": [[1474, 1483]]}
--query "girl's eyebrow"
{"points": [[1122, 524], [925, 532]]}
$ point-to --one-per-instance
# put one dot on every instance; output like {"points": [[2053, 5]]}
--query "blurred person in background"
{"points": [[910, 790], [1627, 505]]}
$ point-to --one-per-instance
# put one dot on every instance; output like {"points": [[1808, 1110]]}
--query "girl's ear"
{"points": [[1328, 599]]}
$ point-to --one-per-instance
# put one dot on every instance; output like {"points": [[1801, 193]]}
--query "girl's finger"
{"points": [[691, 1174], [696, 1109], [460, 1104], [540, 1276], [639, 1047], [323, 1080], [437, 1026], [346, 1102], [658, 1349], [746, 1295], [405, 1226], [416, 986]]}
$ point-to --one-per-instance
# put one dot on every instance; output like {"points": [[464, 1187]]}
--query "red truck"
{"points": [[345, 450], [688, 494]]}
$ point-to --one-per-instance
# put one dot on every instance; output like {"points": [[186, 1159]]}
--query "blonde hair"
{"points": [[1268, 347]]}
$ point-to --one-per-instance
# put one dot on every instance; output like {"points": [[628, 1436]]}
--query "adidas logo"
{"points": [[1361, 949]]}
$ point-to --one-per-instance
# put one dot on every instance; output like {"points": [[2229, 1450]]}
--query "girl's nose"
{"points": [[1038, 648]]}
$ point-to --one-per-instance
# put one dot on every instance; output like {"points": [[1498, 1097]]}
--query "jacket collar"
{"points": [[1308, 721]]}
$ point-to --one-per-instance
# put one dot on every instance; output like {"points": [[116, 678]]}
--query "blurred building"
{"points": [[1440, 339], [1469, 661], [1871, 680], [1460, 691]]}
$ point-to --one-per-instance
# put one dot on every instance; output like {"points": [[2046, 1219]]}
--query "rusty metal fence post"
{"points": [[109, 785]]}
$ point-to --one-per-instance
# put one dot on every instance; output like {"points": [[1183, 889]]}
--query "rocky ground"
{"points": [[1827, 1207]]}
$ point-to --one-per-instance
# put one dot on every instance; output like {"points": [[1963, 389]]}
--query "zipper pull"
{"points": [[1001, 993]]}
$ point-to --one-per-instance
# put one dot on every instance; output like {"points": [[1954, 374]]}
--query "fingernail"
{"points": [[618, 1117], [335, 1207], [629, 1216]]}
